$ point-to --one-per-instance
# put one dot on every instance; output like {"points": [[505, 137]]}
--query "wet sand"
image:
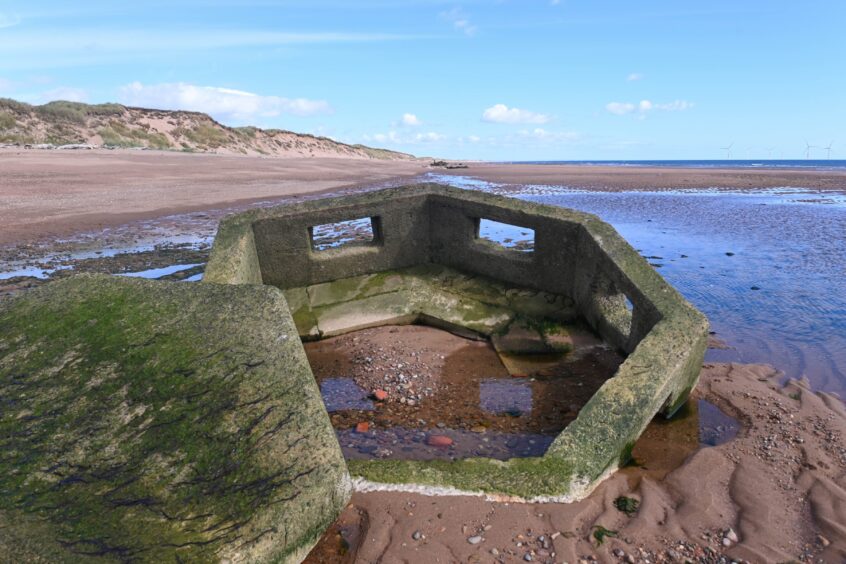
{"points": [[775, 493], [618, 178], [58, 193]]}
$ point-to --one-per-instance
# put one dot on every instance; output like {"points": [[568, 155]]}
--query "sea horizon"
{"points": [[808, 164]]}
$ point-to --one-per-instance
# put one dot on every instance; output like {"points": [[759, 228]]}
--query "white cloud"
{"points": [[428, 137], [500, 113], [224, 104], [62, 93], [396, 138], [551, 136], [645, 106], [634, 76], [152, 40], [620, 108], [28, 48], [474, 138], [675, 106], [9, 20], [411, 120], [460, 22], [554, 2]]}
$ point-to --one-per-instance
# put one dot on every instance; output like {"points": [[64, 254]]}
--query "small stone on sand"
{"points": [[438, 441]]}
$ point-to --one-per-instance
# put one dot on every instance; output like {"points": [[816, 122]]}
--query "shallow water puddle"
{"points": [[715, 427], [506, 397], [343, 393], [415, 444], [156, 273], [448, 397], [667, 443]]}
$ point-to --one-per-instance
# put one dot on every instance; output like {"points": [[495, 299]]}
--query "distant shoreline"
{"points": [[613, 177]]}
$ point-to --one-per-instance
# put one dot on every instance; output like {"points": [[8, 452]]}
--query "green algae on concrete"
{"points": [[162, 422], [468, 304]]}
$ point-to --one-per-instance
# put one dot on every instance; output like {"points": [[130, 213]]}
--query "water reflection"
{"points": [[343, 393], [667, 443], [715, 427], [415, 444], [506, 397]]}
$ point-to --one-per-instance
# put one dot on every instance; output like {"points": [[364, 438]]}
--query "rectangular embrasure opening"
{"points": [[358, 232], [506, 235]]}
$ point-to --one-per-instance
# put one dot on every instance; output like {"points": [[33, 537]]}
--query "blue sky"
{"points": [[499, 80]]}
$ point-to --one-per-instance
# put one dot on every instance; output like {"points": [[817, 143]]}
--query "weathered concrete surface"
{"points": [[576, 257], [160, 422], [464, 303]]}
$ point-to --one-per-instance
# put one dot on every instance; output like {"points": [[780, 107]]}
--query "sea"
{"points": [[813, 164]]}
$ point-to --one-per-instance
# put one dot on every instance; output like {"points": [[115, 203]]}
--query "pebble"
{"points": [[731, 535], [528, 557], [475, 539], [417, 535], [726, 541], [380, 395], [438, 441], [495, 552], [362, 427], [823, 541]]}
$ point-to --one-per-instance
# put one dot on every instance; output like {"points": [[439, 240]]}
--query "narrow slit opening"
{"points": [[350, 232], [506, 235]]}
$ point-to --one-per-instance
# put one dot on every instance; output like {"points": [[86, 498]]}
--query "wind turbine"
{"points": [[828, 150], [808, 148], [728, 150], [770, 152]]}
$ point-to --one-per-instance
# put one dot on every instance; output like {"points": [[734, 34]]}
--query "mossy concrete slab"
{"points": [[467, 304], [521, 337], [160, 422], [369, 311]]}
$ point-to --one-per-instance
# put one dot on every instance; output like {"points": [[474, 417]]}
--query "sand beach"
{"points": [[775, 491]]}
